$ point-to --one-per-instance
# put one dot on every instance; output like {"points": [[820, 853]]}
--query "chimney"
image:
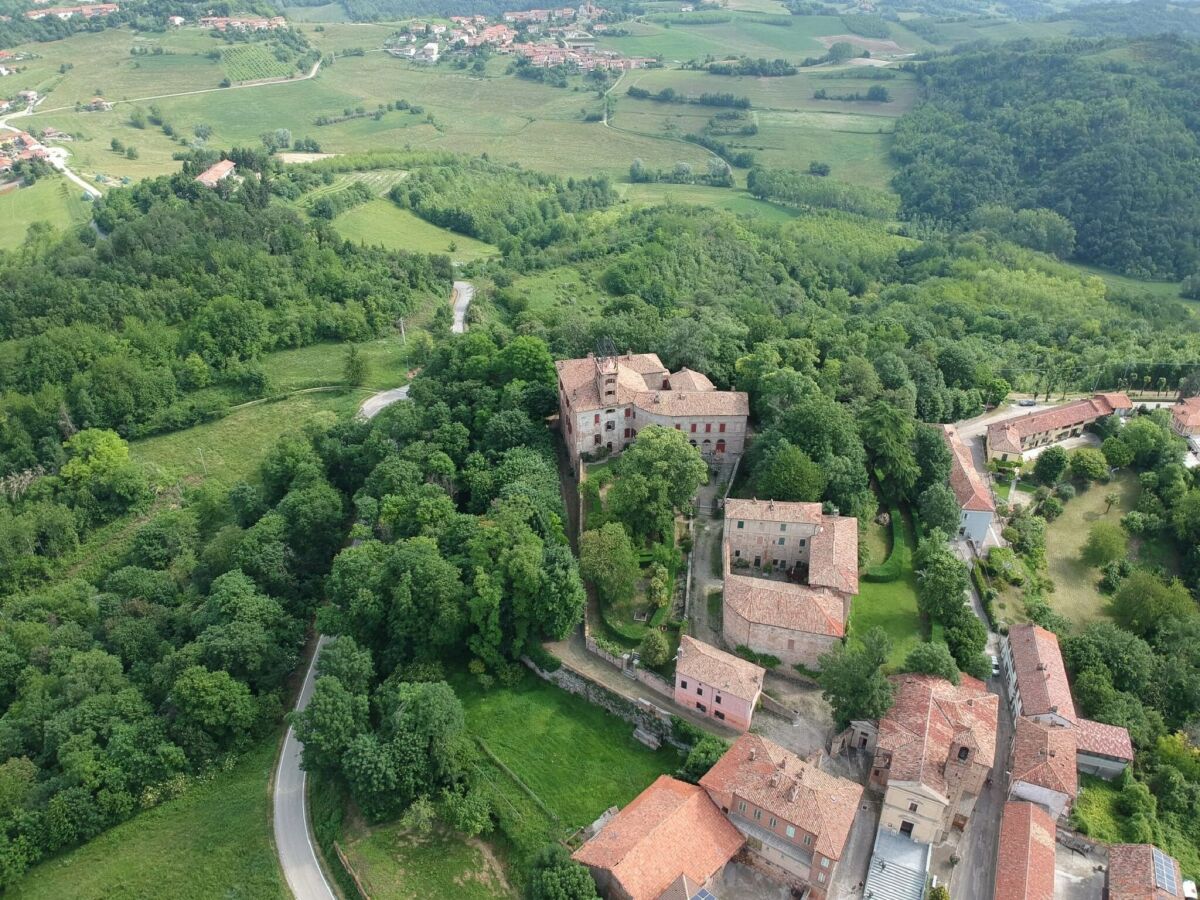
{"points": [[775, 779], [753, 753], [794, 792]]}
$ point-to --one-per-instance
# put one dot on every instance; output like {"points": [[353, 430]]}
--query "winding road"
{"points": [[293, 833]]}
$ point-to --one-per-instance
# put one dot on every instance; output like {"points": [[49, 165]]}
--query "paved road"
{"points": [[373, 404], [293, 838], [462, 295]]}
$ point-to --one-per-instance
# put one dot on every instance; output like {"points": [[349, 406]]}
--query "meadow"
{"points": [[53, 200], [393, 863], [890, 605], [226, 822], [382, 223]]}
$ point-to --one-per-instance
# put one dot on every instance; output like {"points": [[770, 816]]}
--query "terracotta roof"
{"points": [[787, 787], [1041, 675], [1003, 438], [1077, 412], [669, 829], [687, 380], [833, 555], [1045, 755], [214, 173], [965, 480], [694, 403], [1025, 867], [1131, 874], [1103, 740], [774, 511], [927, 717], [640, 383], [704, 662], [785, 605], [1186, 414]]}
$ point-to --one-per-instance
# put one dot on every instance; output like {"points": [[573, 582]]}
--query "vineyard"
{"points": [[379, 182], [251, 62]]}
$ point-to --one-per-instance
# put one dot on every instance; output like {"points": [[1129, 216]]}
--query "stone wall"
{"points": [[771, 705]]}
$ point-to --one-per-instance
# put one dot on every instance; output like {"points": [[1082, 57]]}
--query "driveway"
{"points": [[856, 855], [461, 295], [1078, 876]]}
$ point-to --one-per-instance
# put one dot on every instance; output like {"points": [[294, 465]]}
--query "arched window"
{"points": [[721, 446]]}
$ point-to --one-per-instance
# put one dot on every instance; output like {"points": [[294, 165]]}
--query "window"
{"points": [[718, 714], [824, 863], [963, 753], [758, 815], [820, 878], [628, 411], [707, 427], [701, 707], [737, 553], [783, 526], [626, 432], [791, 644], [677, 427], [610, 425], [742, 806], [666, 384], [772, 823], [808, 840], [912, 807], [597, 440], [791, 831], [721, 445], [721, 428], [699, 691], [803, 542], [741, 524], [717, 698], [782, 541], [693, 428], [596, 419], [683, 685]]}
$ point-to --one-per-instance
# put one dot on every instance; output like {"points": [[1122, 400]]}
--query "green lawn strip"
{"points": [[891, 605], [53, 200], [214, 841]]}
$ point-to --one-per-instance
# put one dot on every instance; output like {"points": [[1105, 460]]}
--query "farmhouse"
{"points": [[933, 751], [1142, 872], [976, 509], [1043, 766], [801, 572], [1010, 438], [216, 173], [1025, 868], [671, 837], [717, 684], [428, 53], [66, 12], [99, 104], [1185, 417], [604, 401], [795, 817]]}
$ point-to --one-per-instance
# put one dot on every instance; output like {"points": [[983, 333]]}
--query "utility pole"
{"points": [[403, 337]]}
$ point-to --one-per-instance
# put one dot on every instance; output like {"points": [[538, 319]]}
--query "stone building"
{"points": [[604, 401], [791, 572], [1010, 438], [1042, 767], [1142, 872], [974, 497], [717, 684]]}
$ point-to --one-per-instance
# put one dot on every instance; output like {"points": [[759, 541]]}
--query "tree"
{"points": [[852, 679], [355, 370], [788, 473], [932, 658], [933, 458], [1145, 604], [889, 433], [330, 722], [1111, 499], [664, 455], [941, 579], [1089, 464], [1050, 465], [654, 648], [607, 559], [1117, 453], [215, 712], [1105, 542], [703, 756], [556, 876], [939, 508]]}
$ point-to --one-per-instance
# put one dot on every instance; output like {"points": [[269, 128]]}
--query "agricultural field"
{"points": [[53, 200], [383, 223], [252, 62], [224, 822]]}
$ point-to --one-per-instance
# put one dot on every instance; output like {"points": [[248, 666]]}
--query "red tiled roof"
{"points": [[1025, 867], [639, 383], [214, 173], [1006, 435], [1041, 675], [1045, 755], [704, 662], [833, 555], [773, 511], [797, 607], [1186, 414], [669, 829], [787, 787], [928, 716], [965, 480], [1131, 874], [1103, 740]]}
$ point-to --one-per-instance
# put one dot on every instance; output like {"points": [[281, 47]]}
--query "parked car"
{"points": [[1026, 402], [995, 667]]}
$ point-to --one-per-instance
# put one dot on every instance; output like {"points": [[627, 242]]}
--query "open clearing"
{"points": [[395, 864], [891, 605], [225, 823], [383, 223], [53, 200]]}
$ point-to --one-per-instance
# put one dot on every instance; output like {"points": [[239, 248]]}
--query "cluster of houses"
{"points": [[1010, 438], [89, 11], [242, 23], [18, 147]]}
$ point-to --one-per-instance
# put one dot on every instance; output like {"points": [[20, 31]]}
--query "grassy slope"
{"points": [[53, 200], [212, 842], [383, 223], [1098, 805], [394, 864]]}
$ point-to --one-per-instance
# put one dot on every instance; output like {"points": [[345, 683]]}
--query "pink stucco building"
{"points": [[604, 401], [717, 684]]}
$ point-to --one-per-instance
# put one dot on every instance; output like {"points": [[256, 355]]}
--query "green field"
{"points": [[323, 364], [394, 864], [737, 201], [383, 223], [891, 605], [54, 200], [250, 62], [789, 37], [214, 841]]}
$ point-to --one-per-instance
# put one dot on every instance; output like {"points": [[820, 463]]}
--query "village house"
{"points": [[796, 818], [27, 96], [176, 21], [933, 751], [428, 53], [67, 12], [791, 572], [604, 401], [243, 23], [1010, 438], [1185, 417], [1042, 767], [1025, 864], [216, 173], [717, 684], [99, 104], [1142, 872], [974, 497], [670, 841], [1038, 688]]}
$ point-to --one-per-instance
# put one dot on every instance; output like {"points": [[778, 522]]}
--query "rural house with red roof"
{"points": [[1025, 865], [216, 173], [717, 684], [933, 751], [1185, 417], [974, 497], [1010, 438], [670, 841], [1142, 872], [604, 401], [1042, 766], [796, 818], [791, 572]]}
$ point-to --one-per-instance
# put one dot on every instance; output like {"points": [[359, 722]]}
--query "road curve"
{"points": [[462, 295], [293, 836]]}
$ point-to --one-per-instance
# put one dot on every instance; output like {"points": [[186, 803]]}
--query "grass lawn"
{"points": [[321, 364], [878, 540], [734, 200], [383, 223], [538, 731], [215, 841], [1075, 595], [53, 199], [892, 605], [394, 864], [229, 449]]}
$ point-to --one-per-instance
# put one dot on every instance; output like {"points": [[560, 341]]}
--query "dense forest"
{"points": [[1104, 133], [1144, 18]]}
